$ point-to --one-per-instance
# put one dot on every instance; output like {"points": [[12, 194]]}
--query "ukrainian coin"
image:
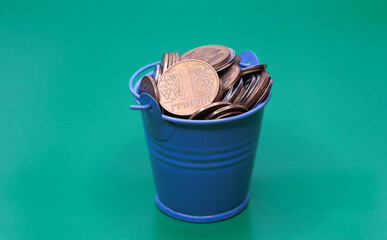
{"points": [[176, 58], [230, 114], [258, 90], [229, 62], [266, 93], [237, 60], [230, 76], [215, 55], [220, 92], [206, 110], [248, 80], [228, 94], [148, 85], [164, 62], [157, 73], [249, 89], [188, 86], [253, 69], [170, 59], [239, 95], [224, 66], [173, 59], [233, 93], [226, 109]]}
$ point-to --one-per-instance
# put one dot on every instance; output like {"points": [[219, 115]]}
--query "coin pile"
{"points": [[206, 83]]}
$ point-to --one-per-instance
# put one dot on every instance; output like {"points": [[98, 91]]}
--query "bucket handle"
{"points": [[133, 88], [155, 125], [140, 107]]}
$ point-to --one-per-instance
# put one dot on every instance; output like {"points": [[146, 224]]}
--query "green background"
{"points": [[73, 157]]}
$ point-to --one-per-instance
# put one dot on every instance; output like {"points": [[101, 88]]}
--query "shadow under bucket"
{"points": [[202, 168]]}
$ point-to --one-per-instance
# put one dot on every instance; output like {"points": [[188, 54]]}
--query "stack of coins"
{"points": [[206, 83]]}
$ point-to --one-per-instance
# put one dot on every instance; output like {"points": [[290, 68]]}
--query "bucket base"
{"points": [[202, 219]]}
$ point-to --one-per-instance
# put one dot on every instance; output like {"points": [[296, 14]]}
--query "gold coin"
{"points": [[188, 86], [215, 55], [205, 111], [226, 109], [230, 76], [148, 85]]}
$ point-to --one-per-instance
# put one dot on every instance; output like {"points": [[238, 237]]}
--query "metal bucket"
{"points": [[202, 168]]}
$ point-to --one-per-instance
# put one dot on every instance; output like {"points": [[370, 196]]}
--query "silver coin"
{"points": [[249, 90], [228, 95], [236, 89], [265, 93], [157, 73]]}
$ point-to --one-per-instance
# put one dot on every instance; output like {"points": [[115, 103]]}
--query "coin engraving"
{"points": [[187, 86]]}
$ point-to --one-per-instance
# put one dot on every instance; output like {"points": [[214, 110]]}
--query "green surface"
{"points": [[73, 158]]}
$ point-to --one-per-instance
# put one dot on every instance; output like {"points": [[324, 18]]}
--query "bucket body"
{"points": [[202, 168]]}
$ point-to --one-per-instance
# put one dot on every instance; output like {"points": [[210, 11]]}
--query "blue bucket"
{"points": [[202, 168]]}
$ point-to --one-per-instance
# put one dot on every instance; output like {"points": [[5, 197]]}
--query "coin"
{"points": [[170, 59], [174, 59], [230, 76], [249, 89], [206, 110], [157, 73], [258, 90], [253, 69], [148, 85], [248, 79], [220, 92], [234, 92], [229, 62], [239, 95], [177, 58], [237, 60], [188, 86], [229, 114], [249, 57], [226, 109], [266, 93], [164, 62], [215, 55]]}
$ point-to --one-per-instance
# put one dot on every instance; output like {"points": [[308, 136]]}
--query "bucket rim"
{"points": [[134, 91]]}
